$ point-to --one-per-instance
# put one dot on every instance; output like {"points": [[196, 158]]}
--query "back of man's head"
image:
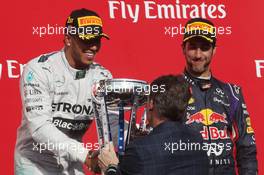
{"points": [[172, 100]]}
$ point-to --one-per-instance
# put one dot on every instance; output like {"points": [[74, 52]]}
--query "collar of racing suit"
{"points": [[203, 83], [76, 73]]}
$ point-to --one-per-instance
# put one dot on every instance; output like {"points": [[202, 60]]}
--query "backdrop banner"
{"points": [[145, 42]]}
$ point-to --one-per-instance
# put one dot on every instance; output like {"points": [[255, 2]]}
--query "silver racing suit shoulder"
{"points": [[43, 65], [50, 64]]}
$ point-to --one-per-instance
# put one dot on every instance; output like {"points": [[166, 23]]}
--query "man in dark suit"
{"points": [[171, 148]]}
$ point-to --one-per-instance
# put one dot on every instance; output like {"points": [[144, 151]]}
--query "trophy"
{"points": [[118, 95]]}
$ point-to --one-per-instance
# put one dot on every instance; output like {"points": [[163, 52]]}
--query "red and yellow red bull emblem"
{"points": [[206, 117], [89, 20]]}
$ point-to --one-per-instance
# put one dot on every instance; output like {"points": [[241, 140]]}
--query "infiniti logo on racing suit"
{"points": [[219, 92]]}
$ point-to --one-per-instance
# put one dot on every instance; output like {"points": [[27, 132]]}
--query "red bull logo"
{"points": [[214, 133], [206, 117]]}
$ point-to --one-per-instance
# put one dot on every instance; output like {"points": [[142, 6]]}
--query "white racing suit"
{"points": [[57, 111]]}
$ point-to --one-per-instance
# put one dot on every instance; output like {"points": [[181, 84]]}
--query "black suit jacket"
{"points": [[162, 152]]}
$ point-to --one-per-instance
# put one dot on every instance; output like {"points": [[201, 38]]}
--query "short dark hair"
{"points": [[173, 100]]}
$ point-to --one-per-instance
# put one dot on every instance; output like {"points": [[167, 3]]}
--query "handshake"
{"points": [[101, 161]]}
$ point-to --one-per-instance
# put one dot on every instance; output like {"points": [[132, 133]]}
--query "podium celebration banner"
{"points": [[145, 42]]}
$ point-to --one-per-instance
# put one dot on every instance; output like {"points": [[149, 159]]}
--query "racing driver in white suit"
{"points": [[57, 106]]}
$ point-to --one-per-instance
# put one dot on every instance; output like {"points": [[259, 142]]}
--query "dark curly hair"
{"points": [[171, 102]]}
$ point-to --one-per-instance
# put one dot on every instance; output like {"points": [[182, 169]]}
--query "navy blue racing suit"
{"points": [[218, 111]]}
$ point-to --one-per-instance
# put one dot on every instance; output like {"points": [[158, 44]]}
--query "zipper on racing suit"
{"points": [[209, 134]]}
